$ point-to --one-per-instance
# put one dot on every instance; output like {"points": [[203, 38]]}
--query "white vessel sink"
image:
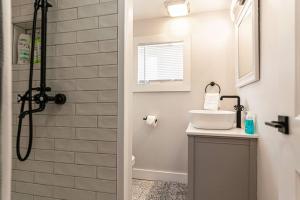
{"points": [[212, 120]]}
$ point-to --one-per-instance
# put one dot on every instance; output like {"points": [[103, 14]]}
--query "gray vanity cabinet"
{"points": [[222, 168]]}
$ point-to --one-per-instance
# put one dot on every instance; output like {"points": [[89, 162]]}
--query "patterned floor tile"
{"points": [[158, 190]]}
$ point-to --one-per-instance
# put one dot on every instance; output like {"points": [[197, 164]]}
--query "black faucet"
{"points": [[239, 108]]}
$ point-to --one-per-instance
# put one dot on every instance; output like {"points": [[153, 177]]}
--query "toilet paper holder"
{"points": [[145, 119]]}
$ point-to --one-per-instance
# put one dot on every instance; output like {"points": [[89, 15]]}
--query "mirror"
{"points": [[247, 44]]}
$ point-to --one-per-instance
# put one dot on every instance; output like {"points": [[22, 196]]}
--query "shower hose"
{"points": [[41, 98], [28, 95]]}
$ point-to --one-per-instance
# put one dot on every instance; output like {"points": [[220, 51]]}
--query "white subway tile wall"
{"points": [[74, 146]]}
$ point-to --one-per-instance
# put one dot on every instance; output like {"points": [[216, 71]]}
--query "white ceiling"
{"points": [[145, 9]]}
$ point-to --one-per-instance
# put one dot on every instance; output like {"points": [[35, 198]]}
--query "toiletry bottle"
{"points": [[249, 123], [24, 49], [37, 49]]}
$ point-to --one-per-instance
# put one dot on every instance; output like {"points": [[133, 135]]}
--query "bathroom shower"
{"points": [[37, 95]]}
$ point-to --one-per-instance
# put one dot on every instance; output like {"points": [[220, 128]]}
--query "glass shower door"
{"points": [[5, 99]]}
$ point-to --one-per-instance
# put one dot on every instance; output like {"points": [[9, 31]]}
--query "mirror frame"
{"points": [[249, 6]]}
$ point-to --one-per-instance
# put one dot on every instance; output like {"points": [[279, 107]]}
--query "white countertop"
{"points": [[236, 133]]}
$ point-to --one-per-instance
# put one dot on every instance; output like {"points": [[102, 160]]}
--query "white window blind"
{"points": [[160, 62]]}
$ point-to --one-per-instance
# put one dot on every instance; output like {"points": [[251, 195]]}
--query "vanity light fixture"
{"points": [[178, 8]]}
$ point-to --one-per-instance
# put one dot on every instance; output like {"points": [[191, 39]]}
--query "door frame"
{"points": [[124, 138]]}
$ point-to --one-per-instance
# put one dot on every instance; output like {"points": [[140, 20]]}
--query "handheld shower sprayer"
{"points": [[40, 97]]}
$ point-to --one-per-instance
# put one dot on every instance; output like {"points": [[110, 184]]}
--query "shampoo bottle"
{"points": [[250, 123], [37, 49], [24, 49]]}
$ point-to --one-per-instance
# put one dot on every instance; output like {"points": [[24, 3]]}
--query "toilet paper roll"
{"points": [[151, 120]]}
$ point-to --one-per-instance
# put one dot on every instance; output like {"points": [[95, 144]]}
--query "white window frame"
{"points": [[163, 86]]}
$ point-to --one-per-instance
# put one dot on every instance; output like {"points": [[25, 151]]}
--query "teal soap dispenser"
{"points": [[250, 123]]}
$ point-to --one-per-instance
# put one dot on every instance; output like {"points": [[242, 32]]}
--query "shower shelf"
{"points": [[19, 28]]}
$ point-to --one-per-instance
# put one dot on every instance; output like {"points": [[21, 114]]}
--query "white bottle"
{"points": [[24, 43]]}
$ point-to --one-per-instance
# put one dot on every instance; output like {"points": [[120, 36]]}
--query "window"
{"points": [[162, 64]]}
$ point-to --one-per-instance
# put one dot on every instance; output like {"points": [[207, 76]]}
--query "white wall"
{"points": [[273, 95], [165, 148]]}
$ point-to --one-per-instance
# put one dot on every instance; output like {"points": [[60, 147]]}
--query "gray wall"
{"points": [[74, 146], [212, 36]]}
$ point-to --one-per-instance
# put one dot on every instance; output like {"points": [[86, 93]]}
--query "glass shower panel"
{"points": [[5, 99]]}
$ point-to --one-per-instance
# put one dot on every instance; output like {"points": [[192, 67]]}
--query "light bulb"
{"points": [[178, 8]]}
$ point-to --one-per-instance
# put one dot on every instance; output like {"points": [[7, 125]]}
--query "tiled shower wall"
{"points": [[74, 145]]}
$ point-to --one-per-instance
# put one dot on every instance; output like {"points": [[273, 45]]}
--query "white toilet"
{"points": [[132, 160]]}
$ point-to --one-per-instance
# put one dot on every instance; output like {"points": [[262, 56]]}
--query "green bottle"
{"points": [[37, 50]]}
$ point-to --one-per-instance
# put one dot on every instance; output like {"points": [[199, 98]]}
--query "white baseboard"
{"points": [[148, 174]]}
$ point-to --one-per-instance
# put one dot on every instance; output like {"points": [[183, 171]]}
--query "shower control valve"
{"points": [[38, 98], [19, 98], [22, 98], [60, 99], [42, 99]]}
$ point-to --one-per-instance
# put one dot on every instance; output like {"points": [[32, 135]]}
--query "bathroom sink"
{"points": [[215, 120]]}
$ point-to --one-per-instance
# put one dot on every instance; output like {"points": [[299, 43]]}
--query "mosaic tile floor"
{"points": [[158, 190]]}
